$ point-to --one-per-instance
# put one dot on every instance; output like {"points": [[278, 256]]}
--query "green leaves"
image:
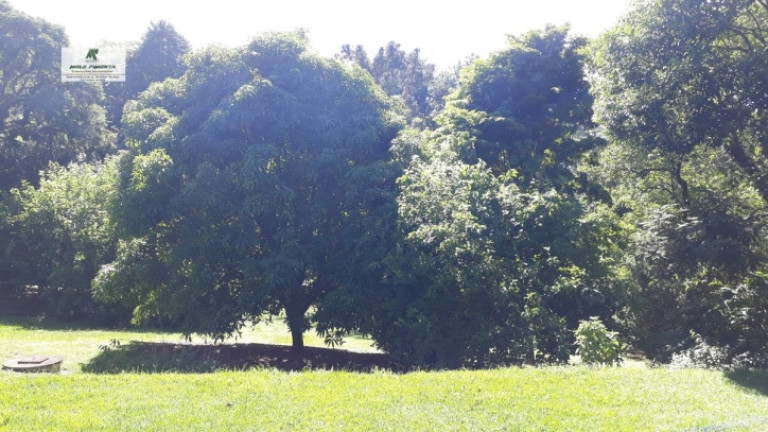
{"points": [[499, 246], [160, 55], [680, 89], [684, 73]]}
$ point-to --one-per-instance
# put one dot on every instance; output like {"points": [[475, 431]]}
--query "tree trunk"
{"points": [[297, 339], [296, 320]]}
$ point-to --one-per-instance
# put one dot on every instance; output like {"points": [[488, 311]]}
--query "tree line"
{"points": [[467, 218]]}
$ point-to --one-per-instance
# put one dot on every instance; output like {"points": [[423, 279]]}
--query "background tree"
{"points": [[246, 186], [160, 55], [444, 83], [401, 74], [531, 109], [41, 119], [528, 111]]}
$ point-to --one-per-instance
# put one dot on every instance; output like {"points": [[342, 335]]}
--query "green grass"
{"points": [[79, 345], [573, 398]]}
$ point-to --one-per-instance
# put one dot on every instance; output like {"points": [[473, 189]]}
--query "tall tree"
{"points": [[247, 186], [357, 55], [41, 118], [531, 108]]}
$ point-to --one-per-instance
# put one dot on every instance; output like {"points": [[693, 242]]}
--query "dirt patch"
{"points": [[163, 357]]}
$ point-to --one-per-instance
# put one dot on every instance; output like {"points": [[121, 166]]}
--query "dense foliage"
{"points": [[559, 189], [596, 345], [160, 55], [405, 76]]}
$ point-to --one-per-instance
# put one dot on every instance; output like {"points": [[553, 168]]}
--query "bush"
{"points": [[596, 345]]}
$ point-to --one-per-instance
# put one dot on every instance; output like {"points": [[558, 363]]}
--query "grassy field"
{"points": [[574, 398]]}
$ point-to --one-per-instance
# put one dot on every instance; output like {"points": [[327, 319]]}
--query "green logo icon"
{"points": [[92, 54]]}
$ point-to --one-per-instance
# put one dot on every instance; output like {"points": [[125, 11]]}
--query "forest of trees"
{"points": [[464, 218]]}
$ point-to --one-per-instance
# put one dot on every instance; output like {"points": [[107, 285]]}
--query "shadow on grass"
{"points": [[153, 357], [753, 380]]}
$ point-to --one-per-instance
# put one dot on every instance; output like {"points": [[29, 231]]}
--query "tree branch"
{"points": [[759, 29], [682, 183], [756, 173], [763, 3]]}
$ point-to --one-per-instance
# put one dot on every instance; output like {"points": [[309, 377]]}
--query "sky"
{"points": [[446, 32]]}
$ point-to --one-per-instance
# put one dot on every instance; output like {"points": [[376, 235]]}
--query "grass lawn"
{"points": [[574, 398]]}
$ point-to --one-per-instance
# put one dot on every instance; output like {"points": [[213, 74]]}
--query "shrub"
{"points": [[57, 235], [596, 345]]}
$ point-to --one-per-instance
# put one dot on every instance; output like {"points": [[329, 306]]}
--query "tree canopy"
{"points": [[678, 74], [681, 94], [57, 235], [532, 106], [399, 73]]}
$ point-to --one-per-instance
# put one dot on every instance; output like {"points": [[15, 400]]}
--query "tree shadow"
{"points": [[753, 380], [153, 357]]}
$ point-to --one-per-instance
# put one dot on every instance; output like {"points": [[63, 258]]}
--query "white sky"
{"points": [[445, 31]]}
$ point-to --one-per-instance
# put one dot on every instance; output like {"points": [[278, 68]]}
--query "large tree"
{"points": [[681, 90], [531, 109], [41, 118], [249, 184]]}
